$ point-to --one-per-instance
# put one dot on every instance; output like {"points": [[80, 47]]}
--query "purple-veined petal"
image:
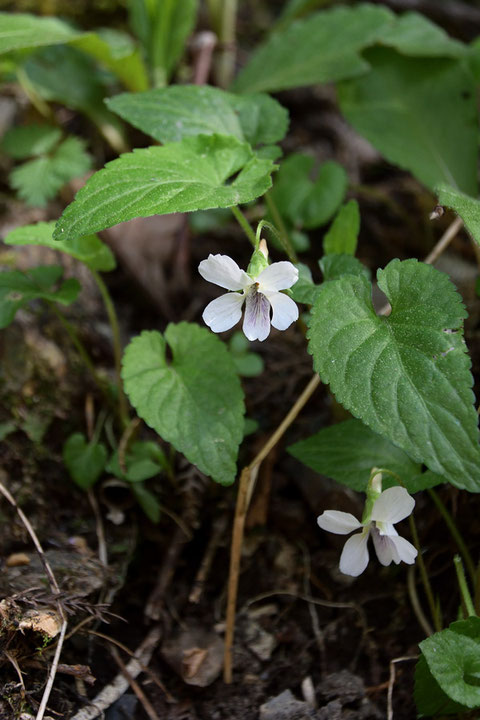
{"points": [[393, 505], [277, 276], [256, 323], [385, 528], [384, 547], [223, 312], [222, 270], [285, 311], [338, 522], [354, 557]]}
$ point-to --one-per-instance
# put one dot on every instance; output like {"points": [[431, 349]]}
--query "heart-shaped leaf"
{"points": [[407, 375], [85, 461], [194, 401]]}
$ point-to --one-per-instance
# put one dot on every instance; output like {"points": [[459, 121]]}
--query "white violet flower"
{"points": [[258, 289], [389, 507]]}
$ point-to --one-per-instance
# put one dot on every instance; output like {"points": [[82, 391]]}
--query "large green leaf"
{"points": [[453, 658], [19, 31], [348, 451], [89, 249], [17, 289], [170, 114], [414, 34], [420, 113], [194, 400], [195, 174], [407, 375], [322, 48], [467, 207]]}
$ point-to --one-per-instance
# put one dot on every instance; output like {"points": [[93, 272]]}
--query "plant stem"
{"points": [[450, 522], [278, 220], [244, 224], [423, 572], [117, 345], [226, 21], [462, 584], [246, 486]]}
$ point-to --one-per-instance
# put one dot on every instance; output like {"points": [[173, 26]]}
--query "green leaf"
{"points": [[322, 48], [453, 657], [116, 51], [6, 429], [342, 236], [84, 461], [407, 375], [348, 451], [17, 289], [89, 249], [147, 501], [171, 23], [194, 401], [419, 113], [23, 142], [304, 202], [39, 180], [304, 290], [142, 462], [414, 34], [334, 266], [467, 207], [429, 696], [194, 174], [19, 31], [173, 113]]}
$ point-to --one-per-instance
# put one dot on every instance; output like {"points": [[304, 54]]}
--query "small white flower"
{"points": [[390, 507], [260, 293]]}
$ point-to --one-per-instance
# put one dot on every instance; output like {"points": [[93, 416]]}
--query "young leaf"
{"points": [[342, 236], [17, 289], [193, 401], [89, 249], [348, 451], [142, 462], [322, 48], [414, 34], [407, 375], [23, 142], [194, 174], [334, 266], [453, 658], [325, 196], [420, 113], [170, 25], [39, 180], [173, 113], [147, 501], [20, 31], [467, 207], [84, 461]]}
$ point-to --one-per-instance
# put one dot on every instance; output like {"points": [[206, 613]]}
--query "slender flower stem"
{"points": [[462, 584], [248, 477], [226, 61], [244, 224], [450, 522], [117, 345], [423, 572], [278, 220]]}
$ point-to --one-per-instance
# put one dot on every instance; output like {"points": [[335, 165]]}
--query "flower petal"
{"points": [[223, 312], [256, 323], [277, 276], [354, 558], [394, 548], [285, 311], [222, 270], [393, 505], [338, 522], [406, 552]]}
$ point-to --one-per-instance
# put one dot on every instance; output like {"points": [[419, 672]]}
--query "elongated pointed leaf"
{"points": [[195, 174], [194, 401], [172, 113], [17, 289], [342, 236], [117, 52], [89, 249], [407, 375], [20, 30], [420, 114], [322, 48]]}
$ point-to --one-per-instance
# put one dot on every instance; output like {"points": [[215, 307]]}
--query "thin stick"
{"points": [[391, 682], [450, 522], [146, 704], [444, 241], [424, 575], [207, 560], [55, 590], [246, 486], [414, 599], [102, 545]]}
